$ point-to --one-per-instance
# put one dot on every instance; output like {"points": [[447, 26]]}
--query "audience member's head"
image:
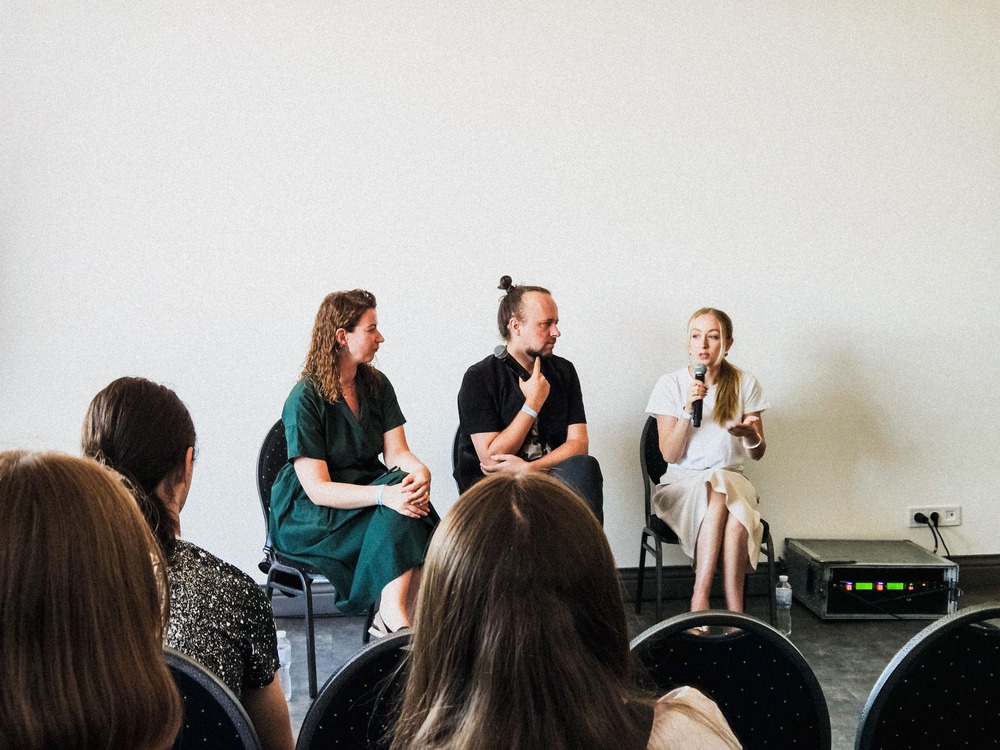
{"points": [[83, 603], [143, 431], [520, 636]]}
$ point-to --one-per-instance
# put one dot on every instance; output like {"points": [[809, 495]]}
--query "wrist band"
{"points": [[378, 494], [529, 411], [751, 447], [687, 415]]}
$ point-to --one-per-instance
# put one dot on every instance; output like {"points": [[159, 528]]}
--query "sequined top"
{"points": [[220, 617]]}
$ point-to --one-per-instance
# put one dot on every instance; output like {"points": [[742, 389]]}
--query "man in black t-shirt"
{"points": [[535, 421]]}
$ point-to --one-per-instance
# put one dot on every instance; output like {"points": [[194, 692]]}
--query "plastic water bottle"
{"points": [[285, 664], [783, 597]]}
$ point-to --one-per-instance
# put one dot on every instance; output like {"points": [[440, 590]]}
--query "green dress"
{"points": [[359, 550]]}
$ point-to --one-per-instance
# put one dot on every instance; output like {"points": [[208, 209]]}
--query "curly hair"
{"points": [[338, 310]]}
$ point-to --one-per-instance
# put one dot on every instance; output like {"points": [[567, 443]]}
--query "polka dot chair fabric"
{"points": [[358, 707], [759, 679], [942, 689], [213, 717]]}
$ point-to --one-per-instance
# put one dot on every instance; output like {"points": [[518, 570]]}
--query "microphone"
{"points": [[699, 374], [503, 355]]}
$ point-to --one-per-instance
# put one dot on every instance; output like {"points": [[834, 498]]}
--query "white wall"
{"points": [[181, 183]]}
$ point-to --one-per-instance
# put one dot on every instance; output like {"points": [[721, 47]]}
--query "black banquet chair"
{"points": [[765, 688], [656, 533], [213, 716], [940, 689], [358, 706], [284, 574], [462, 466]]}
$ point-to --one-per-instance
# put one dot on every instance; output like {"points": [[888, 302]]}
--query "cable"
{"points": [[921, 518], [932, 525], [935, 517]]}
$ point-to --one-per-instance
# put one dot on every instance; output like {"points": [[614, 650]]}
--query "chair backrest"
{"points": [[273, 455], [651, 460], [765, 688], [464, 463], [455, 449], [213, 716], [940, 689], [358, 706]]}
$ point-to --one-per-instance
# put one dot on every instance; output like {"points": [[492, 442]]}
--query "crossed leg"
{"points": [[722, 539]]}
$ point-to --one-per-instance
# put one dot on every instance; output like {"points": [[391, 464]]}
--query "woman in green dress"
{"points": [[330, 506]]}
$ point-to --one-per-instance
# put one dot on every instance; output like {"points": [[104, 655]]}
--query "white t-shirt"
{"points": [[710, 446]]}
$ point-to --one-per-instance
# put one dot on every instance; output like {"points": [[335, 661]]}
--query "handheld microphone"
{"points": [[502, 354], [699, 374]]}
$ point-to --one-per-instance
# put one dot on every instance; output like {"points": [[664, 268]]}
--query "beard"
{"points": [[535, 353]]}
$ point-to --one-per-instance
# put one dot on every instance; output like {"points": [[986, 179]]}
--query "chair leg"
{"points": [[369, 621], [772, 579], [659, 580], [310, 636], [642, 574]]}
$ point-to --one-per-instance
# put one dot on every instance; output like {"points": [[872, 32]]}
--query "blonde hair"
{"points": [[83, 606], [727, 384], [520, 636], [338, 310]]}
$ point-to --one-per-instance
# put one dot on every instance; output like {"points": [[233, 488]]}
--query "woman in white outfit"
{"points": [[704, 496]]}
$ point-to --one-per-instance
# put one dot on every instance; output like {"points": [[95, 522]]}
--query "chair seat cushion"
{"points": [[290, 562], [658, 527]]}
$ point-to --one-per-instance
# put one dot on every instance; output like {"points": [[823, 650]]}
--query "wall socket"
{"points": [[948, 515]]}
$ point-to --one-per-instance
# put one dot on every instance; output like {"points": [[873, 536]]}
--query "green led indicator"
{"points": [[863, 586], [893, 586]]}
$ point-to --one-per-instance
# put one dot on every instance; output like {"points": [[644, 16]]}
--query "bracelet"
{"points": [[529, 411], [746, 447], [378, 494], [687, 415]]}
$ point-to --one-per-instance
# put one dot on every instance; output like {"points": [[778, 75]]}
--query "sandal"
{"points": [[379, 628]]}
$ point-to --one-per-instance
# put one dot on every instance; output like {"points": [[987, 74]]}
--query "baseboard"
{"points": [[678, 580], [977, 571], [974, 572], [295, 606]]}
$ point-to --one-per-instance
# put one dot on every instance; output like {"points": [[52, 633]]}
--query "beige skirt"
{"points": [[682, 501]]}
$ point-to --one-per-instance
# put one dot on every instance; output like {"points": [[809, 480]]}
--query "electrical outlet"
{"points": [[948, 515]]}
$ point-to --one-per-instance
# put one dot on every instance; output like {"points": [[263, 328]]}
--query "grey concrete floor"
{"points": [[847, 656]]}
